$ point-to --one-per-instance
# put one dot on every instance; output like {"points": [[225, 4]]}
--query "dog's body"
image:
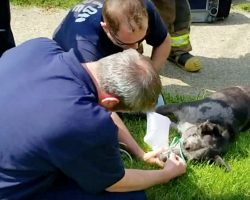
{"points": [[208, 125]]}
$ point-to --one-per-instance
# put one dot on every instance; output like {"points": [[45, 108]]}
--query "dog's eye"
{"points": [[187, 148], [195, 134]]}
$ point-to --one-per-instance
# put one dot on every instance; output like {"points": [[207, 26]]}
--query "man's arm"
{"points": [[160, 54], [132, 146], [135, 179], [125, 137]]}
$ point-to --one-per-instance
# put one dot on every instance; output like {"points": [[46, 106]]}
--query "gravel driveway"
{"points": [[223, 47]]}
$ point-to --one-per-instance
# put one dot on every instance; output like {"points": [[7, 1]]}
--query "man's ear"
{"points": [[109, 102], [104, 26]]}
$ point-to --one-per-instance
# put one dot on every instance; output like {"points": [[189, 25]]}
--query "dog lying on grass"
{"points": [[208, 126]]}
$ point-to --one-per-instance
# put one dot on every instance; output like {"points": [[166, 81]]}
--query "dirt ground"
{"points": [[223, 47]]}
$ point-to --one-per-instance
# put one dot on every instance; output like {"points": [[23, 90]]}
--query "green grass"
{"points": [[202, 180], [242, 6], [46, 3]]}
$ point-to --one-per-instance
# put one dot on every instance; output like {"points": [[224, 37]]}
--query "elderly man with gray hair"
{"points": [[58, 139]]}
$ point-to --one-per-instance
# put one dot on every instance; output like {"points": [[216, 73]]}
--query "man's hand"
{"points": [[136, 179], [152, 157], [175, 166]]}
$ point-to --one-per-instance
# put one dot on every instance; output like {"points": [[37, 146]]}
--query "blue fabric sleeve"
{"points": [[85, 51]]}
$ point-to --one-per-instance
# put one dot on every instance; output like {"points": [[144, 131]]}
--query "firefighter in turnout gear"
{"points": [[177, 16]]}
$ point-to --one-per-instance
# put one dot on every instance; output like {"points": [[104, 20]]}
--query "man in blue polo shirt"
{"points": [[57, 137], [98, 28]]}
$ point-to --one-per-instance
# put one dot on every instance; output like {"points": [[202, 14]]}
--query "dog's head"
{"points": [[203, 141]]}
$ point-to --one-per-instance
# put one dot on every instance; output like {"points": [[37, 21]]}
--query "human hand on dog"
{"points": [[175, 166], [153, 157]]}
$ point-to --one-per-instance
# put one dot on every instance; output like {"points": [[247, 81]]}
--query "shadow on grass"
{"points": [[229, 197], [181, 188]]}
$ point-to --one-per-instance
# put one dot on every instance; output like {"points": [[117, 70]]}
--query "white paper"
{"points": [[157, 130]]}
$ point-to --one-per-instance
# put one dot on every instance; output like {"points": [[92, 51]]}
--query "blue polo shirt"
{"points": [[81, 30], [51, 124]]}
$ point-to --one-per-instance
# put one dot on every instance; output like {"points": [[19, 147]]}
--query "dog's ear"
{"points": [[208, 128]]}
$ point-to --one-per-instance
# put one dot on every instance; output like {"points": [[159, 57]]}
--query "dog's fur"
{"points": [[207, 126]]}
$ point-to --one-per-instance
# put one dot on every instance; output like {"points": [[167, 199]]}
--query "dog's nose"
{"points": [[186, 146]]}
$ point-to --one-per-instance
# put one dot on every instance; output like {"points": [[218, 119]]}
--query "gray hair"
{"points": [[131, 77]]}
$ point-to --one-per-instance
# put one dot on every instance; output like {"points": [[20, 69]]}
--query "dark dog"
{"points": [[207, 126]]}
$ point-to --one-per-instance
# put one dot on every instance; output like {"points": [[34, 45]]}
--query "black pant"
{"points": [[6, 36]]}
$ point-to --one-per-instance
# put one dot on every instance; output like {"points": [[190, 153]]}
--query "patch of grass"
{"points": [[242, 6], [202, 181]]}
